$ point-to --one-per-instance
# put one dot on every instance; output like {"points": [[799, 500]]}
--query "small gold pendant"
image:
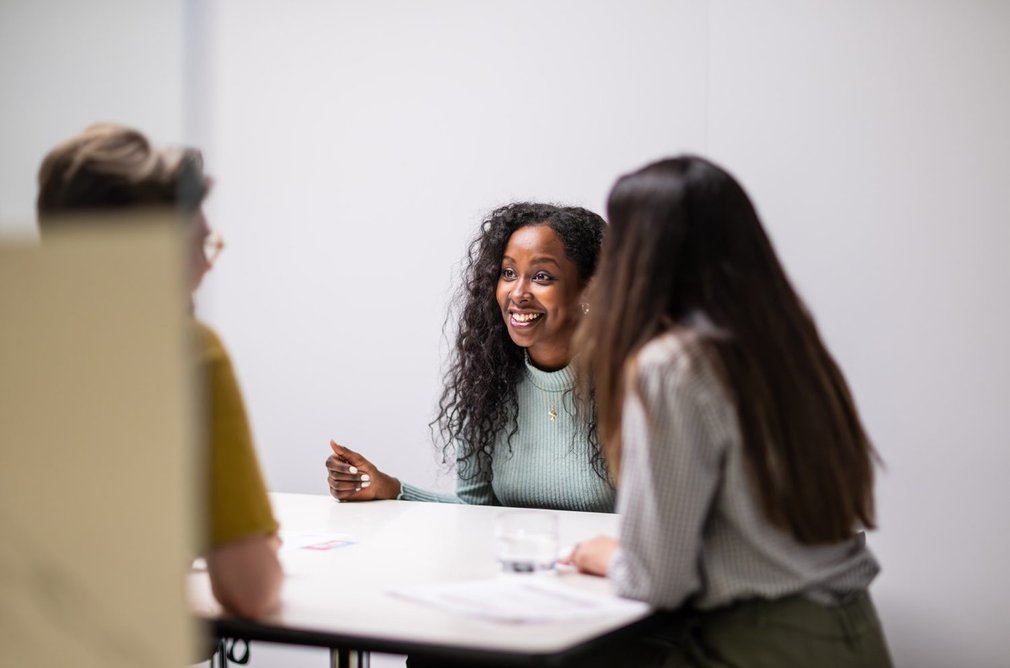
{"points": [[553, 413]]}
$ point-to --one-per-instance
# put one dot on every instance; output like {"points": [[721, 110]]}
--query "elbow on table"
{"points": [[251, 602], [246, 576], [631, 579], [657, 598]]}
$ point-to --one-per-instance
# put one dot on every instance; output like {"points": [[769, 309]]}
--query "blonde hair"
{"points": [[109, 166]]}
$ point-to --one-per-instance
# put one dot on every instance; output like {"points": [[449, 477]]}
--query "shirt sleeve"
{"points": [[239, 506], [476, 489], [410, 492], [670, 470], [473, 490]]}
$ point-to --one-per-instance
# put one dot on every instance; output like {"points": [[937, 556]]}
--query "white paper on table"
{"points": [[522, 599]]}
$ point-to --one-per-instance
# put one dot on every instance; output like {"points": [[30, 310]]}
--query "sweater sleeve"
{"points": [[473, 490], [410, 492], [670, 470]]}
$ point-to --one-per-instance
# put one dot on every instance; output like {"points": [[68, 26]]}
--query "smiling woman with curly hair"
{"points": [[508, 416]]}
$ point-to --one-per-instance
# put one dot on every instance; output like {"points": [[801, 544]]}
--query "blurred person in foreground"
{"points": [[110, 169], [745, 477]]}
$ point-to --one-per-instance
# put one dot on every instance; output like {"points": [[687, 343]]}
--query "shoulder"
{"points": [[677, 386], [674, 354], [677, 363], [208, 344]]}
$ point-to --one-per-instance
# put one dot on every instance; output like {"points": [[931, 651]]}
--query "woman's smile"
{"points": [[538, 290], [524, 320]]}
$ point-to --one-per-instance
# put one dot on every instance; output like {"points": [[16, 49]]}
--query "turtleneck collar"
{"points": [[552, 381]]}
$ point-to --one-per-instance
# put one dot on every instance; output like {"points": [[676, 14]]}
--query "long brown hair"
{"points": [[685, 250]]}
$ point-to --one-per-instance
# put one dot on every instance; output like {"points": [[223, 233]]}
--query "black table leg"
{"points": [[348, 658]]}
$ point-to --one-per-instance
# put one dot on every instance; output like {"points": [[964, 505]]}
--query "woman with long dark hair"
{"points": [[745, 474], [507, 416]]}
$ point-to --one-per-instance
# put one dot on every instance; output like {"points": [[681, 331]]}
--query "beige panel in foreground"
{"points": [[95, 461]]}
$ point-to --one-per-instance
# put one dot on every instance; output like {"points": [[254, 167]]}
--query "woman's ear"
{"points": [[584, 296]]}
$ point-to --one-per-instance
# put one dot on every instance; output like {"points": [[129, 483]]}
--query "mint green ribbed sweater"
{"points": [[549, 463]]}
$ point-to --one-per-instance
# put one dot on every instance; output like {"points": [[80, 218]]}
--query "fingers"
{"points": [[344, 495], [351, 477], [360, 479], [343, 486], [350, 492], [570, 557], [339, 450], [339, 467], [339, 470], [356, 478], [348, 455], [575, 558], [593, 556], [336, 465]]}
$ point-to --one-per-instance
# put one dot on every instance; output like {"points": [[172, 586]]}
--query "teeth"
{"points": [[525, 317]]}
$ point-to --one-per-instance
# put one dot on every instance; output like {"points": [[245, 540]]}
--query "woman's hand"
{"points": [[354, 478], [593, 556]]}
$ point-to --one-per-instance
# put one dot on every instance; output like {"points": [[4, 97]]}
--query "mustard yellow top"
{"points": [[239, 506]]}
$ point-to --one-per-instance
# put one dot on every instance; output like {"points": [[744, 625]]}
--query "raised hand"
{"points": [[353, 478]]}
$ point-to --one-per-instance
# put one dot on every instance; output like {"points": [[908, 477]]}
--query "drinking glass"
{"points": [[526, 541]]}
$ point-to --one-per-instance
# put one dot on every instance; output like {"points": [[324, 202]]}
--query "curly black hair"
{"points": [[479, 401]]}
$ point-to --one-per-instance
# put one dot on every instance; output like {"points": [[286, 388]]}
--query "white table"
{"points": [[339, 598]]}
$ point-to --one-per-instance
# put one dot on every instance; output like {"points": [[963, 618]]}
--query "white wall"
{"points": [[66, 64], [874, 138], [356, 146]]}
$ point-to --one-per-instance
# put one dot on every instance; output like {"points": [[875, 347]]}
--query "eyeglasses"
{"points": [[212, 247]]}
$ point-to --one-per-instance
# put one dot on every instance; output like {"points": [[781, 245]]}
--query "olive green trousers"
{"points": [[791, 632], [784, 633]]}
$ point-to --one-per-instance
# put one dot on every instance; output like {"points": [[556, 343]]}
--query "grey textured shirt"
{"points": [[548, 465], [691, 525]]}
